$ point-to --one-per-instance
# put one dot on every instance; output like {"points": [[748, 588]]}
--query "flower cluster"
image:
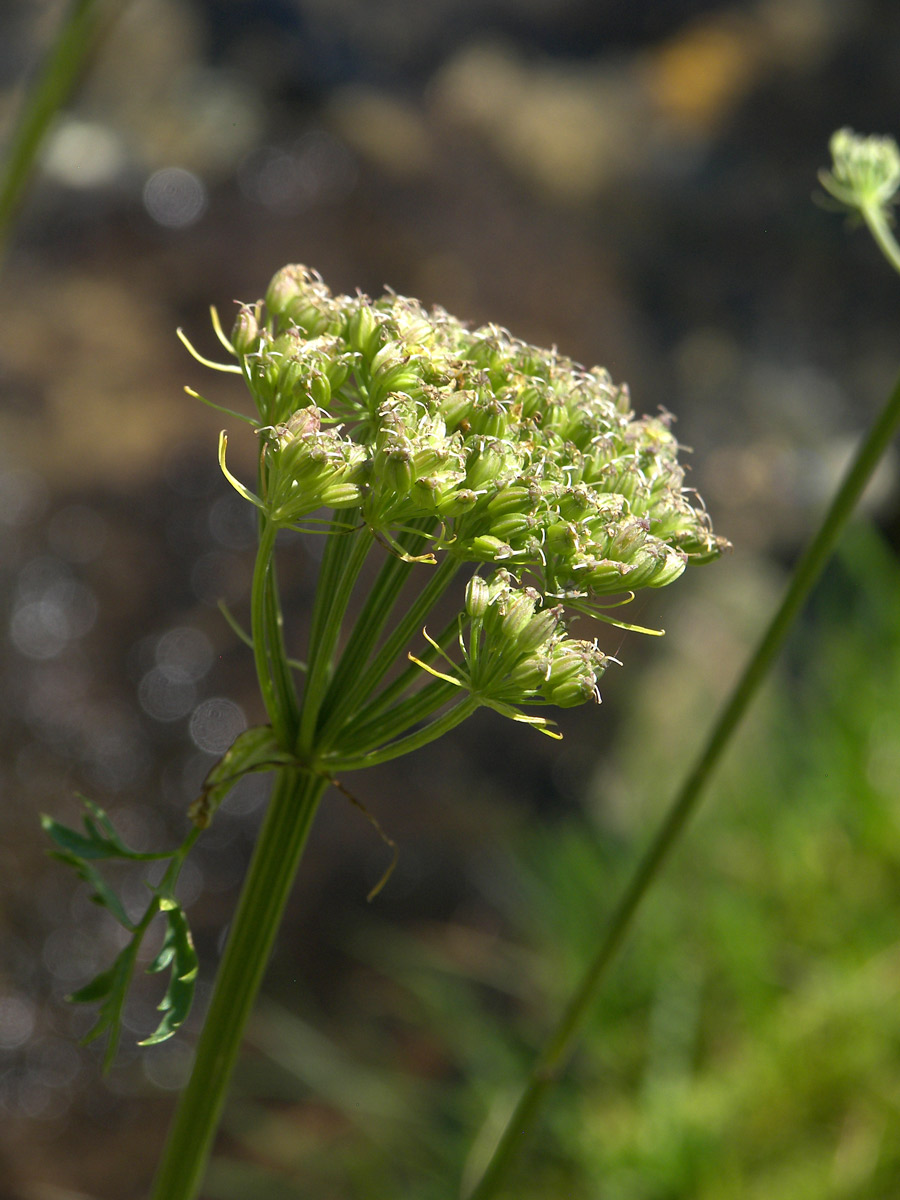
{"points": [[865, 170], [500, 453], [517, 652]]}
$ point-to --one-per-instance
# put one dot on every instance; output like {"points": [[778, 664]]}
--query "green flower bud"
{"points": [[302, 423], [623, 541], [389, 356], [337, 368], [428, 459], [365, 333], [529, 675], [456, 502], [486, 465], [512, 526], [519, 611], [489, 417], [288, 344], [300, 464], [515, 498], [394, 376], [395, 470], [603, 576], [531, 400], [456, 407], [580, 428], [700, 549], [571, 691], [307, 314], [424, 492], [292, 384], [562, 538], [657, 566], [340, 495], [318, 389], [575, 668], [477, 597], [500, 585], [540, 629], [245, 332], [288, 283], [555, 415], [487, 549], [602, 453]]}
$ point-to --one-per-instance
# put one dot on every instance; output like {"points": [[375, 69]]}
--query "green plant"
{"points": [[442, 449], [439, 448]]}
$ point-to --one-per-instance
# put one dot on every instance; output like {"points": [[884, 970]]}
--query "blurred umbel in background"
{"points": [[634, 183]]}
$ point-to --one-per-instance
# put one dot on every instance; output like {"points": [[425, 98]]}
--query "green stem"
{"points": [[414, 741], [363, 738], [79, 33], [173, 870], [341, 563], [260, 631], [366, 682], [334, 557], [559, 1046], [267, 886], [371, 620], [282, 679], [880, 230], [409, 676]]}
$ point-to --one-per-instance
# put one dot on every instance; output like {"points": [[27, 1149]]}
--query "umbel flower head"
{"points": [[865, 171], [498, 454]]}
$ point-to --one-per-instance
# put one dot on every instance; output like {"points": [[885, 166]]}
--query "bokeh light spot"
{"points": [[16, 1021], [168, 1065], [164, 698], [42, 624], [184, 655], [174, 197], [215, 724]]}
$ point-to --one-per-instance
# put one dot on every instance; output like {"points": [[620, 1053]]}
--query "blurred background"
{"points": [[635, 182]]}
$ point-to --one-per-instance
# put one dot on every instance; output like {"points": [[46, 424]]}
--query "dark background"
{"points": [[632, 181]]}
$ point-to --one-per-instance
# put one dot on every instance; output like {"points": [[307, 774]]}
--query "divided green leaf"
{"points": [[110, 987], [178, 950], [83, 851], [101, 892], [100, 839]]}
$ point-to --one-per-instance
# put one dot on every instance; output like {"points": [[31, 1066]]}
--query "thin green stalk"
{"points": [[260, 631], [359, 691], [410, 675], [366, 737], [874, 217], [282, 678], [368, 625], [334, 557], [79, 33], [341, 564], [414, 741], [266, 889], [267, 606], [556, 1051]]}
